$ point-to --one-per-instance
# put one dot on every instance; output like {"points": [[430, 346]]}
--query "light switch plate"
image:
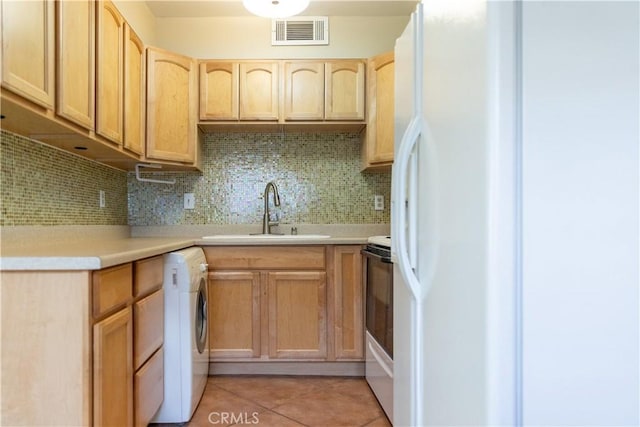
{"points": [[189, 201]]}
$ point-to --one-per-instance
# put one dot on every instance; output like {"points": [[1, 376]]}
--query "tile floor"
{"points": [[274, 401]]}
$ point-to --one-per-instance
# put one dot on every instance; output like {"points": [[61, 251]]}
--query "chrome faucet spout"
{"points": [[266, 219]]}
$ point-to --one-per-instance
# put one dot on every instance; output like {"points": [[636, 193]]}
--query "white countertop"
{"points": [[84, 248], [86, 254]]}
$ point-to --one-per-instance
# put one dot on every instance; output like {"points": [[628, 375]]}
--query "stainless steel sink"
{"points": [[266, 237]]}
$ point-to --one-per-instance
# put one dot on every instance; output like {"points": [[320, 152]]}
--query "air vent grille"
{"points": [[311, 30]]}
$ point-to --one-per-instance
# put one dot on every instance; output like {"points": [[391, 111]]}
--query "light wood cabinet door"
{"points": [[113, 370], [219, 91], [75, 97], [109, 71], [27, 33], [234, 314], [134, 92], [380, 93], [171, 95], [348, 304], [303, 90], [259, 91], [148, 387], [345, 90], [297, 314], [148, 327]]}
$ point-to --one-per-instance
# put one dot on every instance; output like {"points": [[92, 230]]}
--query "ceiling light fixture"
{"points": [[275, 8]]}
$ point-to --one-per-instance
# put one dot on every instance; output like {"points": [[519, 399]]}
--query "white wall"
{"points": [[139, 16], [580, 219], [250, 37]]}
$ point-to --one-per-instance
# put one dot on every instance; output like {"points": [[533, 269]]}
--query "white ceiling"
{"points": [[204, 8]]}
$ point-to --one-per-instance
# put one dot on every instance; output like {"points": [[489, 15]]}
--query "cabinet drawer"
{"points": [[111, 288], [148, 275], [148, 389], [148, 326], [265, 257]]}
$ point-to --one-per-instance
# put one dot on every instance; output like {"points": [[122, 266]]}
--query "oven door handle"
{"points": [[386, 260]]}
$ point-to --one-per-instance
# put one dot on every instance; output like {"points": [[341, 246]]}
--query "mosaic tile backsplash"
{"points": [[40, 185], [318, 177]]}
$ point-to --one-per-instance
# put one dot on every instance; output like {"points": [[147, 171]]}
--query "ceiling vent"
{"points": [[301, 30]]}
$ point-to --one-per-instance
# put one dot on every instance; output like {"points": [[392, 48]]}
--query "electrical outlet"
{"points": [[378, 202], [102, 198], [189, 201]]}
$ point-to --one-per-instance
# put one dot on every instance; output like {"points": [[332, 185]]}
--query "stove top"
{"points": [[380, 240]]}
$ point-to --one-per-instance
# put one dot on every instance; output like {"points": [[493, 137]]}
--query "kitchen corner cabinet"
{"points": [[285, 303], [97, 362], [75, 71], [171, 106], [134, 92], [28, 58], [378, 143], [109, 72]]}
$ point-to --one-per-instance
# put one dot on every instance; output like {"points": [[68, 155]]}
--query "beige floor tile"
{"points": [[284, 401], [327, 408]]}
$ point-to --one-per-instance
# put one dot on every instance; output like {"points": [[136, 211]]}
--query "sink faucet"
{"points": [[266, 219]]}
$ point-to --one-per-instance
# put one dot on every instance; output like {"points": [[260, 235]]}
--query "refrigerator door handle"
{"points": [[401, 163]]}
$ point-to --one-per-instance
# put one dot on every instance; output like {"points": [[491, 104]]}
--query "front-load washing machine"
{"points": [[186, 343]]}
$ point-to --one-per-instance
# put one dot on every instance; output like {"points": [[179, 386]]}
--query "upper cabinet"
{"points": [[76, 62], [27, 29], [231, 91], [171, 104], [109, 72], [306, 90], [303, 90], [134, 92], [344, 90], [219, 93], [378, 142], [259, 91]]}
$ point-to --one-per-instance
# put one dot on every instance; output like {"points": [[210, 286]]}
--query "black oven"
{"points": [[379, 295]]}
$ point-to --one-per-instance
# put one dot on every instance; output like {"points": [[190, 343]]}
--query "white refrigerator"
{"points": [[515, 214]]}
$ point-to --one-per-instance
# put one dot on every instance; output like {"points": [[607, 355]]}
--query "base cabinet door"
{"points": [[149, 389], [348, 304], [297, 314], [234, 314], [112, 370]]}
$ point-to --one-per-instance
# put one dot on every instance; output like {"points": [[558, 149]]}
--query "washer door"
{"points": [[201, 316]]}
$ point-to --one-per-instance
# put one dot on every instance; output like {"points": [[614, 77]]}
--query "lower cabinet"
{"points": [[297, 314], [128, 369], [112, 370], [234, 314], [285, 303]]}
